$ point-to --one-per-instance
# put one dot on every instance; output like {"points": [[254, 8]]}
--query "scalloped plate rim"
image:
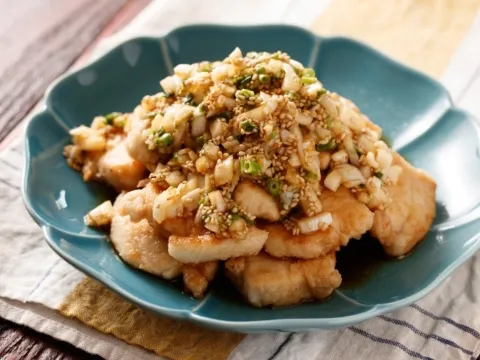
{"points": [[243, 326]]}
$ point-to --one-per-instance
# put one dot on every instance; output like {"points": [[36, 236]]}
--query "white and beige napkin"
{"points": [[40, 290]]}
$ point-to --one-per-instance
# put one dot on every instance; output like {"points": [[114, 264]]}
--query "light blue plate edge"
{"points": [[241, 326]]}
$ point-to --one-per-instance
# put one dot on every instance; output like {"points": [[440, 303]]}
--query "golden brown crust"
{"points": [[281, 242], [351, 218], [197, 277], [267, 281], [407, 220]]}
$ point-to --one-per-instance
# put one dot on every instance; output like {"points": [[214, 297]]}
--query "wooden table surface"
{"points": [[41, 39]]}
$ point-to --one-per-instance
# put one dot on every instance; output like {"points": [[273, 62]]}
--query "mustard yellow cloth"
{"points": [[421, 33], [98, 307]]}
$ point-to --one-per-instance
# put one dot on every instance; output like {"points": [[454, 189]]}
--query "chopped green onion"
{"points": [[378, 174], [273, 135], [260, 70], [110, 117], [164, 140], [311, 176], [276, 56], [119, 122], [235, 217], [292, 94], [274, 186], [245, 80], [201, 108], [204, 201], [264, 79], [246, 93], [297, 71], [308, 80], [165, 95], [309, 72], [320, 93], [206, 68], [158, 132], [329, 122], [328, 146], [200, 141], [248, 126], [227, 115], [250, 167], [188, 99], [249, 221], [357, 150]]}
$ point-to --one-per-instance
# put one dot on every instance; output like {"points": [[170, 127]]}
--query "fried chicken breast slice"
{"points": [[256, 201], [119, 170], [281, 243], [139, 205], [410, 215], [140, 246], [196, 277], [267, 281], [351, 219], [135, 143], [207, 247], [136, 241]]}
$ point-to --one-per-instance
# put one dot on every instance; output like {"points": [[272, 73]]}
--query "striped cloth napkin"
{"points": [[40, 290]]}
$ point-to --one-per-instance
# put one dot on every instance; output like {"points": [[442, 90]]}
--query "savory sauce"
{"points": [[359, 260]]}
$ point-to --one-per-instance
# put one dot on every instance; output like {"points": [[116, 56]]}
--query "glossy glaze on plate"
{"points": [[414, 111]]}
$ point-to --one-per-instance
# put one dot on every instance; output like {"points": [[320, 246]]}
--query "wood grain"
{"points": [[123, 17], [41, 39], [21, 343]]}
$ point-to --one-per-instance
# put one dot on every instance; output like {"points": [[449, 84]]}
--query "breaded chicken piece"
{"points": [[134, 204], [119, 170], [180, 226], [267, 281], [135, 142], [138, 204], [281, 243], [136, 241], [207, 247], [407, 220], [351, 218], [140, 246], [256, 201], [196, 277]]}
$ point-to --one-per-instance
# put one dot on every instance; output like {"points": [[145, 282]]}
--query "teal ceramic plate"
{"points": [[415, 112]]}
